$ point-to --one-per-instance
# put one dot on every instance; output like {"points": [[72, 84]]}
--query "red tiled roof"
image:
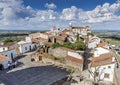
{"points": [[103, 59], [38, 40], [73, 59], [102, 44], [48, 43], [66, 30], [62, 38], [3, 58]]}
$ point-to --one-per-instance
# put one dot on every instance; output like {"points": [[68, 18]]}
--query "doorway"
{"points": [[1, 67], [30, 48]]}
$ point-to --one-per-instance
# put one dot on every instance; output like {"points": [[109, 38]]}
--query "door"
{"points": [[1, 67], [40, 58], [30, 48], [12, 56]]}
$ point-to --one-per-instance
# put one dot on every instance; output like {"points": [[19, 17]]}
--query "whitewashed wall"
{"points": [[8, 53], [3, 49], [5, 63], [98, 51], [74, 54], [105, 69], [26, 47]]}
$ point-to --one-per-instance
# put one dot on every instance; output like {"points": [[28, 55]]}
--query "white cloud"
{"points": [[13, 14], [106, 12], [50, 6], [70, 13]]}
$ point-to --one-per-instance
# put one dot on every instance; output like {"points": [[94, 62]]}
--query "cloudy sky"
{"points": [[43, 14]]}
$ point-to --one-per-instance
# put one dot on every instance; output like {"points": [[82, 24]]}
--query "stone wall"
{"points": [[59, 53], [74, 65]]}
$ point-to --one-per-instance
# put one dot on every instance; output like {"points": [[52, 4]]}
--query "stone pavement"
{"points": [[31, 73], [76, 78]]}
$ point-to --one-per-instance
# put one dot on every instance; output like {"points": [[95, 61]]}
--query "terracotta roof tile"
{"points": [[48, 43], [103, 59], [38, 40], [80, 61], [3, 58], [62, 38], [102, 44]]}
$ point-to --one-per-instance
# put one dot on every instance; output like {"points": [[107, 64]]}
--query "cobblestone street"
{"points": [[31, 73]]}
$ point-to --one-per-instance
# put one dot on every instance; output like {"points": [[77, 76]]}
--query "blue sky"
{"points": [[61, 4], [43, 14]]}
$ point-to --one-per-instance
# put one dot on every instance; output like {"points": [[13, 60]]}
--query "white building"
{"points": [[8, 50], [93, 41], [6, 56], [4, 60], [99, 51], [103, 67], [81, 30], [9, 53], [103, 44], [26, 46], [103, 64]]}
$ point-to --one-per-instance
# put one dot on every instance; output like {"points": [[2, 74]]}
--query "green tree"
{"points": [[55, 45], [79, 45], [7, 40], [90, 34], [67, 45]]}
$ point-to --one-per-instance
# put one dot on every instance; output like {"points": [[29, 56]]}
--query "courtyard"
{"points": [[31, 73]]}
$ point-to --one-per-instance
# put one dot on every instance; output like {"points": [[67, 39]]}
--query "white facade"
{"points": [[5, 63], [3, 49], [92, 43], [9, 53], [26, 47], [42, 35], [99, 51], [28, 39], [80, 31], [75, 55], [105, 72]]}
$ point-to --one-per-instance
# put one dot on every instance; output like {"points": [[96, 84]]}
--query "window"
{"points": [[109, 66], [25, 48], [104, 68], [97, 73], [11, 55], [3, 48], [106, 75]]}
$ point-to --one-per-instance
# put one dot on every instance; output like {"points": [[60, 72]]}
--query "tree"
{"points": [[79, 45], [67, 45], [96, 74], [90, 34], [7, 40], [55, 45]]}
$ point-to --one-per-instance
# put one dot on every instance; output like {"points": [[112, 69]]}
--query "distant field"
{"points": [[16, 35], [111, 37], [112, 41]]}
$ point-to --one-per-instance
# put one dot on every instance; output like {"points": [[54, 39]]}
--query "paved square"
{"points": [[32, 73]]}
